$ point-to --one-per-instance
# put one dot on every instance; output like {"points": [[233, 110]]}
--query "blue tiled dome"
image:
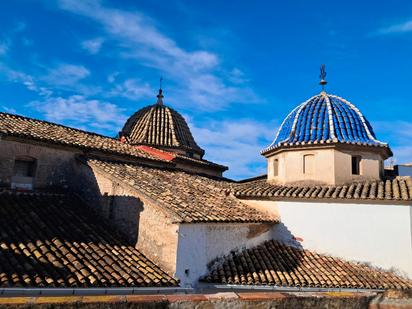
{"points": [[325, 118]]}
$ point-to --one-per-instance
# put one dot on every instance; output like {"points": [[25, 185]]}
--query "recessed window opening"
{"points": [[25, 167], [356, 165], [309, 164], [275, 167]]}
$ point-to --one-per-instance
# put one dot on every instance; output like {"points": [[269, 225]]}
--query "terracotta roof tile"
{"points": [[53, 240], [19, 126], [190, 198], [398, 189], [160, 125], [273, 263]]}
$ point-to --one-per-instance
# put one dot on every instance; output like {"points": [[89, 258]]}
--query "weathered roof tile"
{"points": [[396, 190], [274, 263], [53, 240], [189, 197], [19, 126]]}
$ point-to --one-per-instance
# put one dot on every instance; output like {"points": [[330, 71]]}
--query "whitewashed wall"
{"points": [[199, 244], [378, 234]]}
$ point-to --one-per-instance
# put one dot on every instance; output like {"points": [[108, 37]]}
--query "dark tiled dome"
{"points": [[325, 118], [161, 126]]}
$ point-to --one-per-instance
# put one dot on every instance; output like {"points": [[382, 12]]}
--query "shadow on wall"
{"points": [[121, 212], [285, 236], [56, 240]]}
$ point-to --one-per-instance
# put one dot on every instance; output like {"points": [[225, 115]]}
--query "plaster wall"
{"points": [[370, 167], [330, 166], [291, 170], [373, 233], [200, 244]]}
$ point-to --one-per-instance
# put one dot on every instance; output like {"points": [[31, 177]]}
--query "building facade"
{"points": [[177, 220]]}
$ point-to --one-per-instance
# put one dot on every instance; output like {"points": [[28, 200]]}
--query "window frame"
{"points": [[275, 166], [30, 169], [356, 165], [304, 164]]}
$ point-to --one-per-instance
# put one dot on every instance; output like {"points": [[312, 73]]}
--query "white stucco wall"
{"points": [[378, 234], [199, 244]]}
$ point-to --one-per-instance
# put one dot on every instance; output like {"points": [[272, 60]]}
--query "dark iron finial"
{"points": [[322, 76], [160, 96]]}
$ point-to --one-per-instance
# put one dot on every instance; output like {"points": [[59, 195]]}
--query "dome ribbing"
{"points": [[325, 118], [162, 126]]}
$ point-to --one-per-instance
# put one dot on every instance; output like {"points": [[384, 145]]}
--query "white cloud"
{"points": [[236, 76], [138, 38], [402, 154], [236, 143], [397, 28], [25, 79], [132, 89], [9, 109], [79, 111], [65, 74], [93, 46], [399, 134]]}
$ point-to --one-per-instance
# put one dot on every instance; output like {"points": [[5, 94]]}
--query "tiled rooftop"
{"points": [[325, 118], [176, 157], [273, 263], [19, 126], [160, 125], [53, 240], [190, 198], [398, 189]]}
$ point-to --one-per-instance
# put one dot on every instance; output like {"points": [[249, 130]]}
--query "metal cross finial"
{"points": [[160, 95], [322, 76]]}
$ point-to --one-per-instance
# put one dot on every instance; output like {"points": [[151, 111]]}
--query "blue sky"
{"points": [[234, 69]]}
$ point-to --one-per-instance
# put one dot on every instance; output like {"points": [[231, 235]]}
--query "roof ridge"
{"points": [[58, 125]]}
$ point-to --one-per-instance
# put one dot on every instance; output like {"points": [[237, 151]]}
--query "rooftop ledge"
{"points": [[342, 299]]}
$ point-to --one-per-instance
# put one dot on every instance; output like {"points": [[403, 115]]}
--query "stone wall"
{"points": [[136, 216], [263, 300], [53, 165]]}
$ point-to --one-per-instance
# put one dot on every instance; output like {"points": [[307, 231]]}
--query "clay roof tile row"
{"points": [[398, 189], [189, 197], [53, 240], [274, 263], [19, 126]]}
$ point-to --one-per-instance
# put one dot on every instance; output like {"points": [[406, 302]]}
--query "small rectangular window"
{"points": [[356, 165], [24, 168], [275, 167], [309, 164]]}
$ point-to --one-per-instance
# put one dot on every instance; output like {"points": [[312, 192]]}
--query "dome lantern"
{"points": [[325, 140]]}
